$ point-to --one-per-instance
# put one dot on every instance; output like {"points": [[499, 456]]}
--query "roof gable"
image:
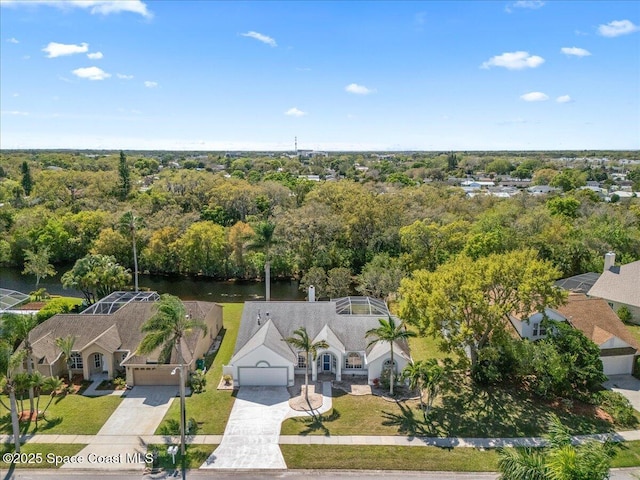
{"points": [[619, 284]]}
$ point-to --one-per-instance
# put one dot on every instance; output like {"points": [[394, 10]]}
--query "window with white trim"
{"points": [[536, 325], [353, 360], [76, 360], [302, 360], [97, 360], [387, 364]]}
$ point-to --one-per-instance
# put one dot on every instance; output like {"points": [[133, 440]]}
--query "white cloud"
{"points": [[61, 49], [564, 99], [534, 97], [15, 112], [575, 51], [617, 28], [122, 76], [260, 37], [91, 73], [530, 4], [95, 56], [358, 89], [102, 7], [514, 61], [150, 84], [12, 40], [294, 112]]}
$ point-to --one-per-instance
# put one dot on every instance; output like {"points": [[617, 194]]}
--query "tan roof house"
{"points": [[619, 285], [595, 318], [106, 342]]}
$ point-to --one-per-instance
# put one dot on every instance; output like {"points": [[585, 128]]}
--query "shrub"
{"points": [[624, 313], [57, 305], [198, 381], [617, 405]]}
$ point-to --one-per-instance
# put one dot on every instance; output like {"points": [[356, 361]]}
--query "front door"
{"points": [[326, 362]]}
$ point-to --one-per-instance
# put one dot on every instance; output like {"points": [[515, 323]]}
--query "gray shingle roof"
{"points": [[619, 284], [314, 316]]}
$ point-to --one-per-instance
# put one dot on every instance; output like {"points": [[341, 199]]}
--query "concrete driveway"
{"points": [[251, 437], [627, 385], [117, 446]]}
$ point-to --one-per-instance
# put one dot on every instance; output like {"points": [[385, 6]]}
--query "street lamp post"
{"points": [[182, 408]]}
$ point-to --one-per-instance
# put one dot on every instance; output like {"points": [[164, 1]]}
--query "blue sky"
{"points": [[216, 75]]}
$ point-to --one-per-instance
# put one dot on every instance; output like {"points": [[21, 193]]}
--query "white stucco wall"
{"points": [[262, 354]]}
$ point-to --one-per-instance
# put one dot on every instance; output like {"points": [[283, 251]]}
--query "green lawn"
{"points": [[211, 408], [376, 457], [48, 452], [68, 414], [463, 410], [423, 348], [196, 456], [635, 330]]}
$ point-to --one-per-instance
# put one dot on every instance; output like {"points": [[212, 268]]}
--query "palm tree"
{"points": [[165, 331], [388, 331], [66, 345], [129, 222], [304, 344], [10, 361], [51, 385], [18, 328], [37, 382], [263, 241]]}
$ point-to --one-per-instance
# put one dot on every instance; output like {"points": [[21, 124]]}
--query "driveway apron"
{"points": [[627, 385], [117, 445], [250, 440]]}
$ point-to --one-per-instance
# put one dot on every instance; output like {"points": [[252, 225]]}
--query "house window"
{"points": [[353, 360], [96, 360], [76, 360], [535, 329], [387, 364], [543, 329], [302, 360]]}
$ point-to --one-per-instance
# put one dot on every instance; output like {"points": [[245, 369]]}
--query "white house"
{"points": [[595, 318], [619, 285], [263, 357]]}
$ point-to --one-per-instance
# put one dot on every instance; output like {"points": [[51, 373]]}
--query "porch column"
{"points": [[314, 369], [339, 367]]}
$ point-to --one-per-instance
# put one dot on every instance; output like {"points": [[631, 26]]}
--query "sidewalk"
{"points": [[401, 441]]}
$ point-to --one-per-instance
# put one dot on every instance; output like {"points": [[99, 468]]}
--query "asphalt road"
{"points": [[616, 474]]}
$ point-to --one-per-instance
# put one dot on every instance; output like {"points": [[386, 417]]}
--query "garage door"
{"points": [[617, 365], [153, 376], [266, 376]]}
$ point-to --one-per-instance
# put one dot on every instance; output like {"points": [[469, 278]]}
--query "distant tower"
{"points": [[296, 144]]}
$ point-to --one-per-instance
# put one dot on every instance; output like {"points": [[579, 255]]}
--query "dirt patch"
{"points": [[26, 417], [300, 403]]}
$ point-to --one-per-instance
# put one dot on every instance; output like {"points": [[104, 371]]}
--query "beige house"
{"points": [[107, 336], [619, 285]]}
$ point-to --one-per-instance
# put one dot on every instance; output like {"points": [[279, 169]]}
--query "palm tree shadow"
{"points": [[407, 423], [316, 423]]}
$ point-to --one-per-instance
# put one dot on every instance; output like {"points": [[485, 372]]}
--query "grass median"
{"points": [[211, 408]]}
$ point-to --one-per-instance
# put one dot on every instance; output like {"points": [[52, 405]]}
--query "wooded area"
{"points": [[369, 220]]}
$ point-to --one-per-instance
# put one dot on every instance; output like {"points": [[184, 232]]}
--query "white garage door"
{"points": [[265, 376], [617, 365]]}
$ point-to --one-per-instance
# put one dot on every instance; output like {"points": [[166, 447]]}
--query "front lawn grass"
{"points": [[426, 347], [196, 456], [211, 408], [45, 449], [383, 457], [378, 457], [464, 410], [68, 414]]}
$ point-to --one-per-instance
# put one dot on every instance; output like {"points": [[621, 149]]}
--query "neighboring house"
{"points": [[263, 357], [619, 285], [600, 324], [108, 334]]}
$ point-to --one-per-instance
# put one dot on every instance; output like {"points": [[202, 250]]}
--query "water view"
{"points": [[187, 288]]}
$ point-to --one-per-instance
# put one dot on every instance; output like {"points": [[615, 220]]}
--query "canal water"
{"points": [[186, 288]]}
